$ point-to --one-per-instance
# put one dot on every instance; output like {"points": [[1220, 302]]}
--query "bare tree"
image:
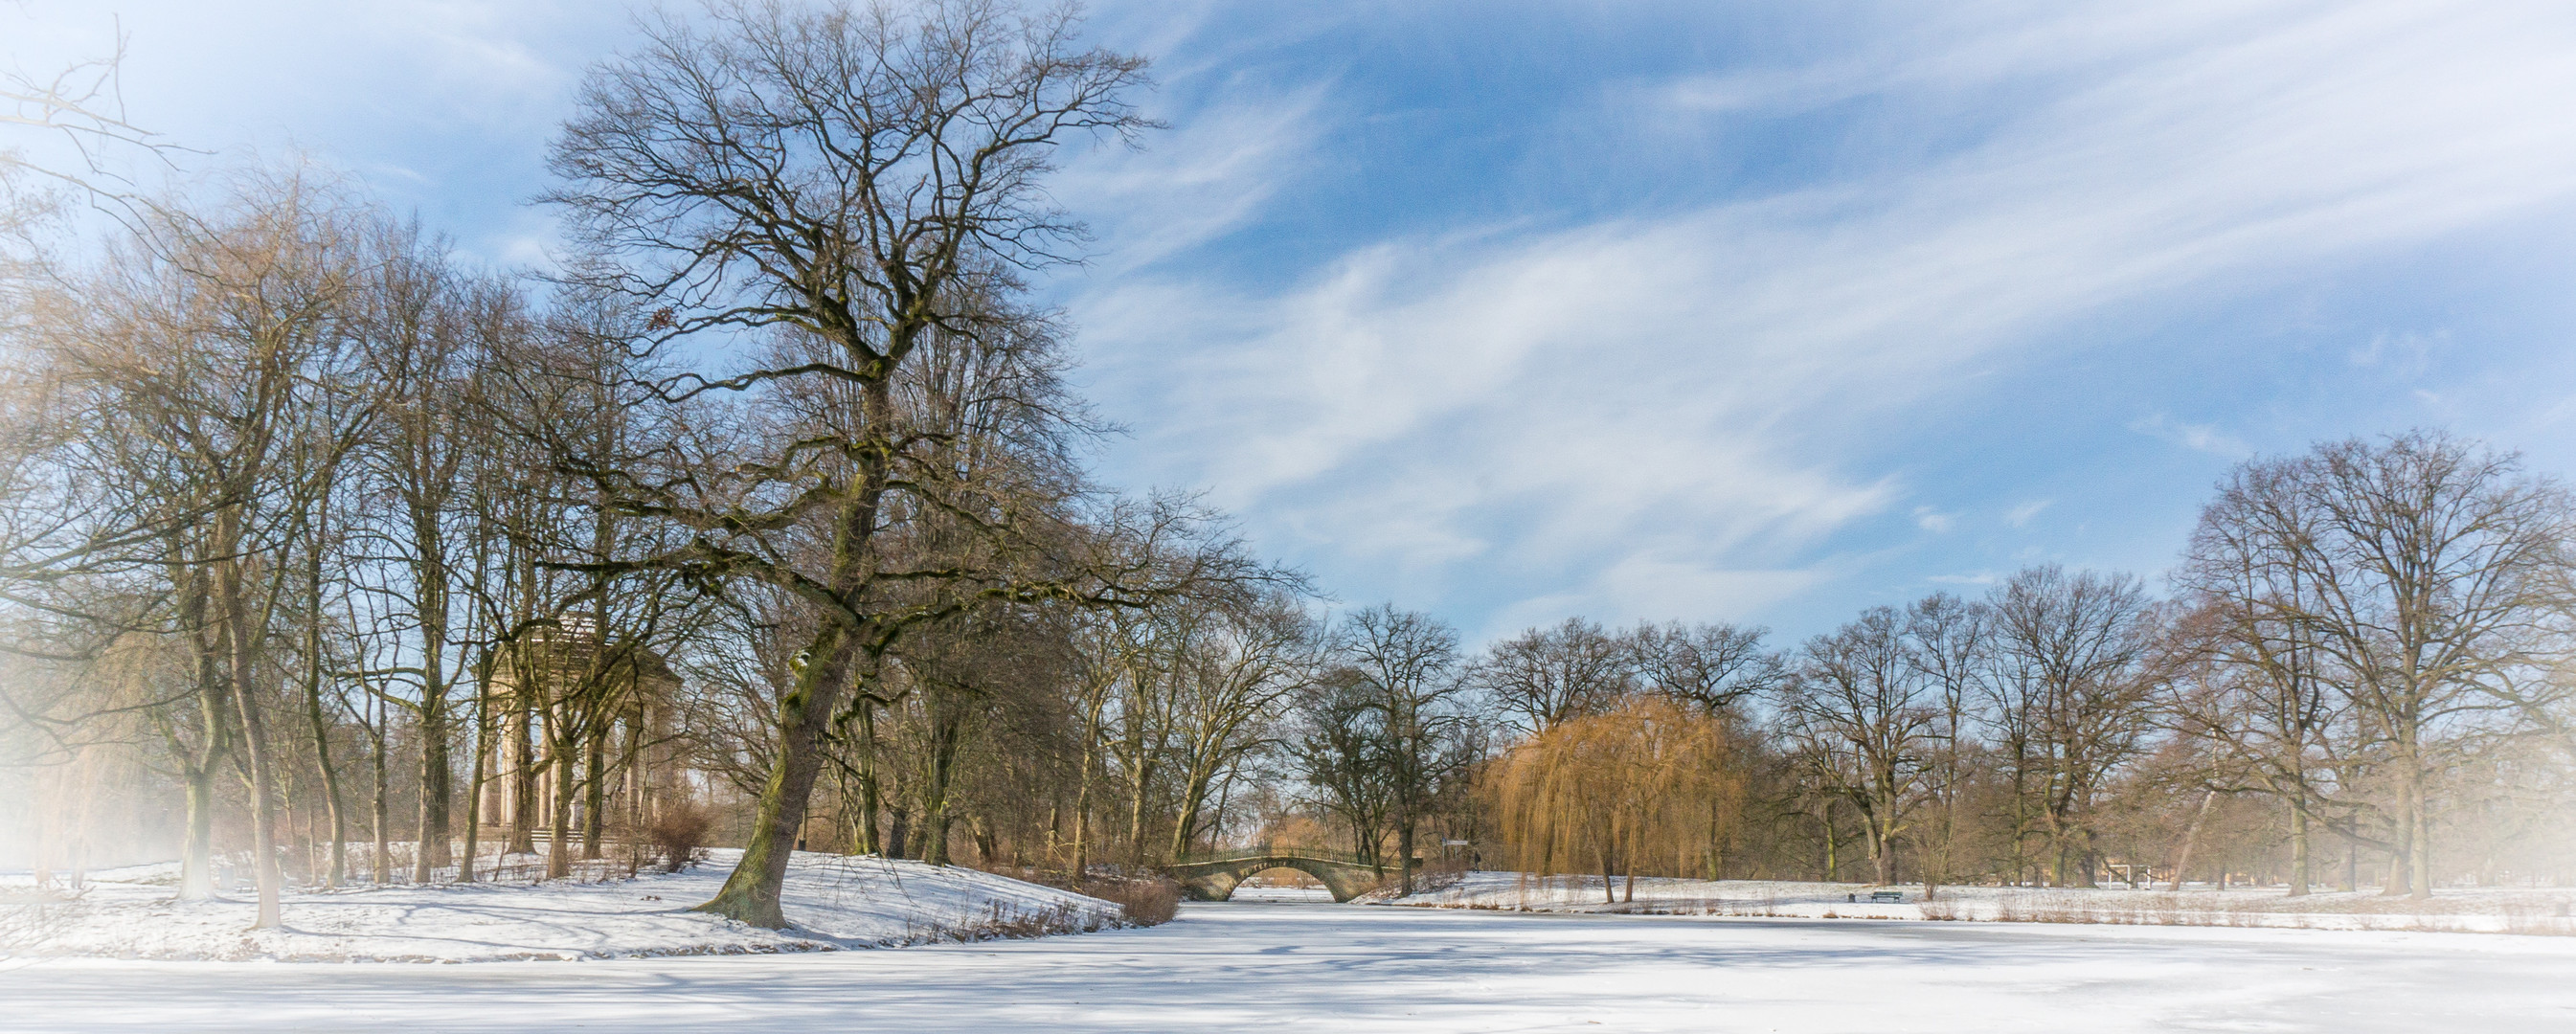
{"points": [[861, 177], [2419, 579], [1948, 650], [1709, 666], [1237, 669], [1858, 713], [207, 349], [1545, 676], [2070, 699], [1402, 666]]}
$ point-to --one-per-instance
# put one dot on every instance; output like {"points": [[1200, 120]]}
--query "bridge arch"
{"points": [[1215, 878]]}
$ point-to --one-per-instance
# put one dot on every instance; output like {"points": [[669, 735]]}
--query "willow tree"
{"points": [[1614, 791], [858, 180]]}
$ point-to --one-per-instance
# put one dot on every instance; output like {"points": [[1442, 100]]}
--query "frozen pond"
{"points": [[1351, 968]]}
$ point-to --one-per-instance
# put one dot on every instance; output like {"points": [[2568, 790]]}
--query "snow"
{"points": [[2479, 910], [1323, 967], [836, 902]]}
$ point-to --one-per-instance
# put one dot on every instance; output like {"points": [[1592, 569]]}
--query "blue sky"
{"points": [[1753, 312]]}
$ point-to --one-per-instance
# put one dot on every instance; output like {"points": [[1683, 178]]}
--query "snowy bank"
{"points": [[2479, 910], [835, 901]]}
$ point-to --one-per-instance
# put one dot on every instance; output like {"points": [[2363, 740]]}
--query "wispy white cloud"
{"points": [[1687, 401], [1696, 385], [2020, 516], [2400, 353], [1204, 179], [2208, 438]]}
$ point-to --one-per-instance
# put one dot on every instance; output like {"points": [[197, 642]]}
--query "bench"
{"points": [[1882, 897]]}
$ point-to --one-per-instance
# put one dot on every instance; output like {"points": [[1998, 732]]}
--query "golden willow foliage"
{"points": [[1645, 785]]}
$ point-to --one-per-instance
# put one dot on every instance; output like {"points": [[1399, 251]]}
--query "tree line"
{"points": [[2361, 667], [327, 552]]}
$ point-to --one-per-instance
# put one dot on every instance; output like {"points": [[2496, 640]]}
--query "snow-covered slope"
{"points": [[835, 901], [2483, 910]]}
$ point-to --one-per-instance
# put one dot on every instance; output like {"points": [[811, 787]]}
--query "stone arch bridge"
{"points": [[1213, 876]]}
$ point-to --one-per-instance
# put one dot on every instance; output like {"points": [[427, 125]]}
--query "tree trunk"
{"points": [[1882, 853], [595, 798], [871, 795], [750, 894], [381, 869], [1082, 814], [2300, 873], [254, 727], [2419, 835], [2191, 838], [197, 853], [1833, 865], [322, 729], [436, 784], [214, 719], [523, 766], [559, 816], [482, 769], [1404, 853]]}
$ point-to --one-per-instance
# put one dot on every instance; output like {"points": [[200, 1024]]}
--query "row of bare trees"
{"points": [[2367, 645], [769, 499]]}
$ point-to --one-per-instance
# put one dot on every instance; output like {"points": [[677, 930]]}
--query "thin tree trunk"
{"points": [[595, 799], [2300, 874], [1833, 865], [254, 727], [321, 728], [871, 795], [2419, 835], [482, 765], [559, 813], [381, 869], [1404, 853], [436, 783], [2191, 838], [214, 719], [1082, 813], [523, 765]]}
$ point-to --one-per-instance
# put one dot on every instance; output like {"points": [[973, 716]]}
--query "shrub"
{"points": [[679, 834], [1142, 901]]}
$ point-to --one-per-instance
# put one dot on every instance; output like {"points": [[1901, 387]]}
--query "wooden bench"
{"points": [[1881, 897]]}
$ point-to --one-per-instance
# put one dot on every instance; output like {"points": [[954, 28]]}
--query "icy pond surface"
{"points": [[1325, 967]]}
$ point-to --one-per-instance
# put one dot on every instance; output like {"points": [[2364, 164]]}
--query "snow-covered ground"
{"points": [[1329, 968], [836, 901], [2481, 910]]}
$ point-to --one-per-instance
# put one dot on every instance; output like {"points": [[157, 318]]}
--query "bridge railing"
{"points": [[1325, 854]]}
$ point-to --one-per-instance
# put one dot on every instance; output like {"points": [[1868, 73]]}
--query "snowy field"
{"points": [[2524, 911], [1328, 968], [840, 902]]}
